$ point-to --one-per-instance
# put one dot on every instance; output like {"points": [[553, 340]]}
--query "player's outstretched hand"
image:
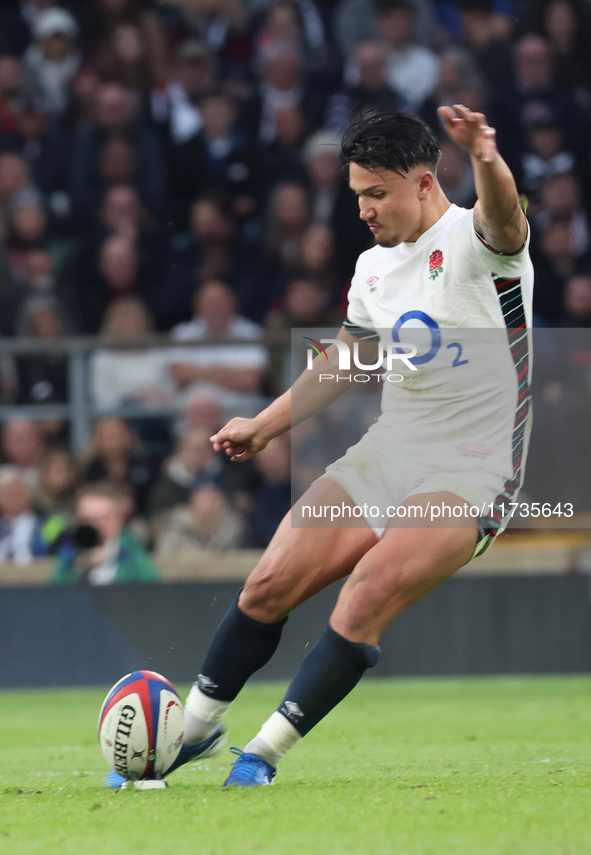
{"points": [[240, 439], [470, 130]]}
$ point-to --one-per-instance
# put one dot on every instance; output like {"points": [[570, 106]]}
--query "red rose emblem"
{"points": [[435, 259]]}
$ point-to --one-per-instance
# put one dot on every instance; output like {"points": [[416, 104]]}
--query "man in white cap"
{"points": [[52, 60]]}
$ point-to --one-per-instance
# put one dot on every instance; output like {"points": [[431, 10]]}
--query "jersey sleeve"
{"points": [[476, 253], [358, 322]]}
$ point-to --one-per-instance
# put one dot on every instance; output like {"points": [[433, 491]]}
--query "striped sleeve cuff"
{"points": [[360, 332]]}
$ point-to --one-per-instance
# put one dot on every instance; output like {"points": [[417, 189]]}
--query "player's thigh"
{"points": [[398, 571], [301, 561]]}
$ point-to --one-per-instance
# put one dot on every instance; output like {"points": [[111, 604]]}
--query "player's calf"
{"points": [[329, 672], [398, 571]]}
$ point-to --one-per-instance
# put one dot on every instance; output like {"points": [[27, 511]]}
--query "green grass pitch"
{"points": [[498, 766]]}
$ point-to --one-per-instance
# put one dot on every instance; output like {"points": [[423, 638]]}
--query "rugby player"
{"points": [[443, 267]]}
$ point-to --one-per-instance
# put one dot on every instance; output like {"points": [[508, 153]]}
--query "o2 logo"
{"points": [[435, 339]]}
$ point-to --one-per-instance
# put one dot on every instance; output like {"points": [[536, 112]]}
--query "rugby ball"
{"points": [[141, 725]]}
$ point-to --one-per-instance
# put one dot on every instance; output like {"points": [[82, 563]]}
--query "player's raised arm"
{"points": [[241, 438], [498, 217]]}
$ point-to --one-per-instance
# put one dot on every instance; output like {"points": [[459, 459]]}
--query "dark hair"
{"points": [[394, 141]]}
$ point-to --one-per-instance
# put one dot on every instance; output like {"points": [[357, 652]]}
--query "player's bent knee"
{"points": [[266, 597], [365, 607]]}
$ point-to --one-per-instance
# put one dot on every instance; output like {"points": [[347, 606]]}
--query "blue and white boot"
{"points": [[249, 770], [200, 751]]}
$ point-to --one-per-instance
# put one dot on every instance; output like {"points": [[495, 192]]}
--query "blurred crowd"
{"points": [[174, 167]]}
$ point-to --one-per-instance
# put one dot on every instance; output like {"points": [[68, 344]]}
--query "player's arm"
{"points": [[241, 438], [498, 217]]}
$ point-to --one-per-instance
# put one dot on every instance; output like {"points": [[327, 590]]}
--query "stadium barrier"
{"points": [[81, 408], [75, 636], [516, 553]]}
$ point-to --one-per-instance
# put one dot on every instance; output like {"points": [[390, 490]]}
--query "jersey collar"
{"points": [[412, 246]]}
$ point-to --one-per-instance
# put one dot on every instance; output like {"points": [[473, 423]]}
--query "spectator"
{"points": [[282, 85], [17, 23], [193, 462], [231, 371], [536, 92], [202, 411], [51, 63], [561, 200], [112, 17], [318, 257], [273, 499], [122, 215], [139, 376], [115, 113], [29, 229], [118, 558], [175, 105], [14, 176], [281, 161], [213, 249], [121, 212], [22, 449], [322, 158], [229, 159], [116, 455], [11, 94], [56, 492], [356, 20], [124, 58], [546, 154], [214, 233], [412, 69], [28, 225], [486, 34], [367, 87], [42, 377], [20, 527], [119, 264], [221, 25], [332, 202], [208, 522], [281, 22], [554, 262], [577, 301], [288, 216], [119, 275], [118, 162], [45, 148], [305, 304], [83, 96], [566, 26], [456, 176], [211, 233], [218, 158], [37, 280], [300, 25], [459, 82]]}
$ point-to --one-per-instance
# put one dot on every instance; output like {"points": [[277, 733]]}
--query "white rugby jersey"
{"points": [[467, 309], [448, 274]]}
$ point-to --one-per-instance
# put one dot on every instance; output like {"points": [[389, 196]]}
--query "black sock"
{"points": [[331, 669], [240, 647]]}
